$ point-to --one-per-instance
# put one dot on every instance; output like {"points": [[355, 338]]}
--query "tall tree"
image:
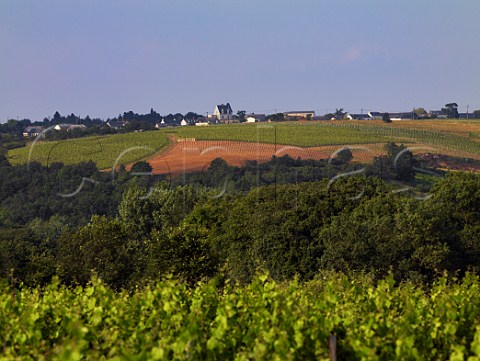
{"points": [[192, 116], [141, 167], [339, 113], [178, 117], [451, 109], [169, 118], [386, 118], [277, 117], [57, 117], [421, 112], [241, 115]]}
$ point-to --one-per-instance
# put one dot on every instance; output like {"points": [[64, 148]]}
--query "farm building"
{"points": [[376, 115], [33, 131], [359, 116], [439, 114], [116, 124], [403, 116], [69, 127], [300, 114], [323, 117], [466, 116], [253, 118]]}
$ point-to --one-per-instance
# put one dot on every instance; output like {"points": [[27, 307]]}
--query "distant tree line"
{"points": [[11, 132]]}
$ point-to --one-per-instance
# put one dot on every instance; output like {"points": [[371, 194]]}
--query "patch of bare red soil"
{"points": [[190, 155]]}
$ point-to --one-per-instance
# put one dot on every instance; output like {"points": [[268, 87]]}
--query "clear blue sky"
{"points": [[102, 58]]}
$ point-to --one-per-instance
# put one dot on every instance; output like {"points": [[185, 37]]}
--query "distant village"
{"points": [[224, 114]]}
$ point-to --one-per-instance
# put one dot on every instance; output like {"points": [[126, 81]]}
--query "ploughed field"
{"points": [[191, 148], [191, 155]]}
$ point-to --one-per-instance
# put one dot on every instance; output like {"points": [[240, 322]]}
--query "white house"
{"points": [[358, 116], [376, 115], [223, 112], [62, 127], [32, 131], [161, 124], [69, 127], [117, 124], [183, 123], [252, 118]]}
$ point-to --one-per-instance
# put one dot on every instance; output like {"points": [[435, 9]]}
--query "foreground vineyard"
{"points": [[260, 321]]}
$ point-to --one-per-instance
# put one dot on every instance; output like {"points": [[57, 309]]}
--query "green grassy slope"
{"points": [[102, 150], [341, 133]]}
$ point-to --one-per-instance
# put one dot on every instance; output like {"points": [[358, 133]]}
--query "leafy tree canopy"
{"points": [[451, 109]]}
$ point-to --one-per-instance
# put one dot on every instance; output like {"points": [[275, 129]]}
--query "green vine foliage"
{"points": [[262, 320]]}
